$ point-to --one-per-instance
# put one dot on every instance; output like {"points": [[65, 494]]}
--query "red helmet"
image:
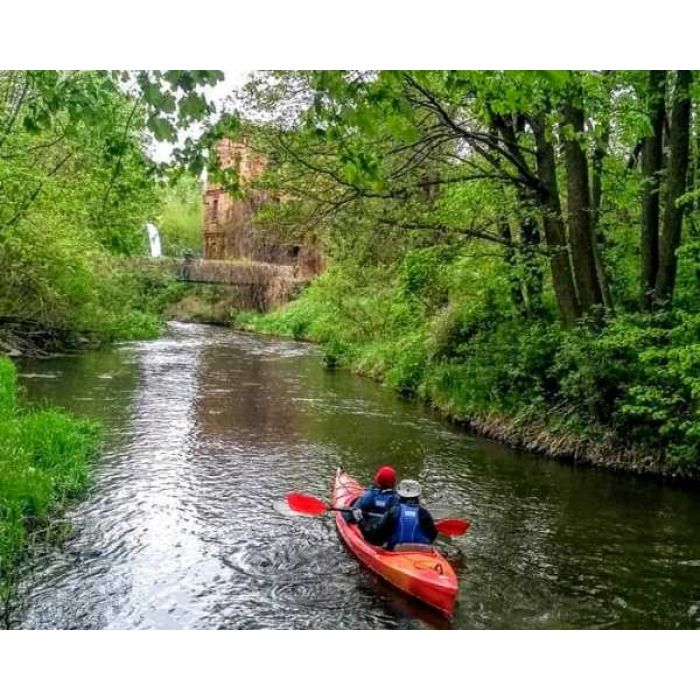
{"points": [[385, 477]]}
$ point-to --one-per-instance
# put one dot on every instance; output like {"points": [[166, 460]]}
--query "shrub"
{"points": [[431, 326]]}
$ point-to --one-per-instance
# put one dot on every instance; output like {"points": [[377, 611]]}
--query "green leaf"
{"points": [[193, 106], [161, 128]]}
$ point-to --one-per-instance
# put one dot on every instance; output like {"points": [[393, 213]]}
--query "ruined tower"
{"points": [[229, 231]]}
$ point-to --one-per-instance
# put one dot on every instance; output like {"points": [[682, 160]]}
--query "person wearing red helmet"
{"points": [[385, 477], [369, 509]]}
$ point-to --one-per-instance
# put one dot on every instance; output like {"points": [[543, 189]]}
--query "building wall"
{"points": [[228, 229]]}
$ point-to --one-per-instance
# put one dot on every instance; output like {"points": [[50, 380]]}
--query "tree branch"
{"points": [[442, 228], [19, 214], [117, 167]]}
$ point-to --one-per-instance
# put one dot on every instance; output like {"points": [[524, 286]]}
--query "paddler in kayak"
{"points": [[407, 522], [370, 508]]}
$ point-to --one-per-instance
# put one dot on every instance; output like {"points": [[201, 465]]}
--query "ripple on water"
{"points": [[206, 430]]}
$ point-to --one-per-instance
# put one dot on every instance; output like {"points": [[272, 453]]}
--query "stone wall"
{"points": [[258, 285]]}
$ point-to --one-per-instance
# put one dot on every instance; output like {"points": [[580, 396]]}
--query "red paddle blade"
{"points": [[452, 526], [301, 503]]}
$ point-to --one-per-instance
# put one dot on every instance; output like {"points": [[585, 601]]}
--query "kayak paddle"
{"points": [[308, 505], [452, 527]]}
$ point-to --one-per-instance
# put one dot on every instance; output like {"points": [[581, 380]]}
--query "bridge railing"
{"points": [[255, 285], [232, 271]]}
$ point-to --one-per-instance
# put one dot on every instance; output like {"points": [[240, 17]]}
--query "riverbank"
{"points": [[597, 450], [45, 457], [140, 302], [32, 339], [618, 397]]}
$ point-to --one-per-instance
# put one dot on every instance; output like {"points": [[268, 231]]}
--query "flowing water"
{"points": [[207, 429]]}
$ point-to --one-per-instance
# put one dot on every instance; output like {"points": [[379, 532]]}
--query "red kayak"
{"points": [[418, 570]]}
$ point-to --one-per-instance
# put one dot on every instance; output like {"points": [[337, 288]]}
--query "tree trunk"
{"points": [[579, 212], [525, 270], [676, 187], [516, 289], [554, 231], [599, 153], [530, 239], [651, 165]]}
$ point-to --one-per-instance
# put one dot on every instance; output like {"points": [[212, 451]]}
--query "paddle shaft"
{"points": [[310, 505], [437, 522]]}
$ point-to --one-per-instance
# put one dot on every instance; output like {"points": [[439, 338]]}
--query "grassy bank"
{"points": [[147, 292], [624, 393], [125, 301], [44, 462]]}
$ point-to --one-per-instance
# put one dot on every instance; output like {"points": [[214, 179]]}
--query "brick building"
{"points": [[228, 230]]}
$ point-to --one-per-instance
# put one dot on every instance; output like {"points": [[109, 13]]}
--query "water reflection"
{"points": [[207, 429]]}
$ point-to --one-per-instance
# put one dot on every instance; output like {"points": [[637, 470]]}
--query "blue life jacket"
{"points": [[376, 501], [407, 529]]}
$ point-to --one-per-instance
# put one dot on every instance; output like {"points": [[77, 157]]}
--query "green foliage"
{"points": [[44, 461], [422, 276], [662, 403], [426, 190], [78, 98], [180, 220], [76, 189], [135, 302], [428, 327]]}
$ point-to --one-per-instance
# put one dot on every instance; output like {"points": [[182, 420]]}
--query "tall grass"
{"points": [[44, 462]]}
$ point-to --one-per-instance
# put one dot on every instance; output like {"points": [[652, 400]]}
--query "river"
{"points": [[207, 429]]}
